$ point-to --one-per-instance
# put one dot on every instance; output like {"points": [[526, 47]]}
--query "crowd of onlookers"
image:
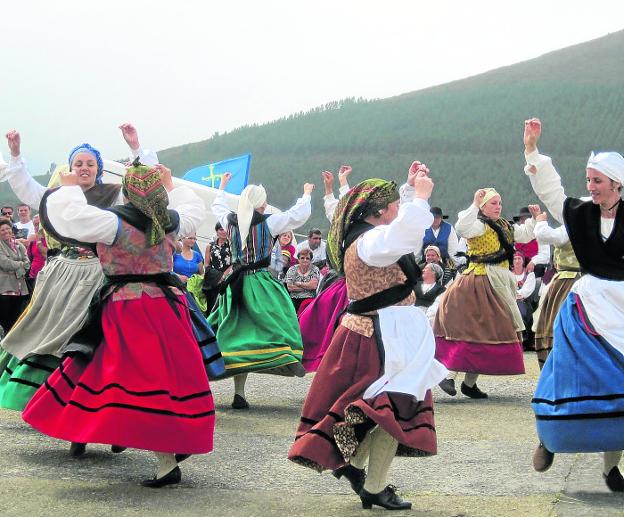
{"points": [[23, 252], [302, 268]]}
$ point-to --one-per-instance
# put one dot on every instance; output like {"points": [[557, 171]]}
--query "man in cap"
{"points": [[443, 236]]}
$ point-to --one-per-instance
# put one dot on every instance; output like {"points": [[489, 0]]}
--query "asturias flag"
{"points": [[210, 175]]}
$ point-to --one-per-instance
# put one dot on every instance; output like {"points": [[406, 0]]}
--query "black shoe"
{"points": [[239, 402], [448, 387], [355, 476], [614, 480], [171, 478], [474, 392], [542, 458], [77, 449], [116, 449], [387, 499], [181, 457]]}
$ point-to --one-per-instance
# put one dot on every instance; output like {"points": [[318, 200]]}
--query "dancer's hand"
{"points": [[131, 136], [165, 176], [532, 133], [478, 197], [414, 170], [328, 182], [225, 179], [308, 188], [422, 183], [343, 174], [535, 210], [14, 140], [541, 217], [68, 178]]}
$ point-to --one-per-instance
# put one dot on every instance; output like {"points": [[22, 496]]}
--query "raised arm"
{"points": [[131, 136], [545, 180], [294, 217], [468, 224], [219, 206], [22, 183], [385, 244], [329, 200]]}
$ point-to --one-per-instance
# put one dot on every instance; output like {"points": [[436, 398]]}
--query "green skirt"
{"points": [[20, 379], [260, 334]]}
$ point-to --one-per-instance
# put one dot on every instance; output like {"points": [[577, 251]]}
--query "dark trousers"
{"points": [[10, 309]]}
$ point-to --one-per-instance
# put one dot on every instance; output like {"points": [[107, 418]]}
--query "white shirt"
{"points": [[30, 226], [330, 202], [528, 287], [469, 226], [72, 217], [282, 222], [318, 254], [30, 192]]}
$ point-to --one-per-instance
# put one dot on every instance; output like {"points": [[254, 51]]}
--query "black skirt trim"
{"points": [[124, 406], [567, 400], [25, 383], [582, 416], [37, 366], [132, 392]]}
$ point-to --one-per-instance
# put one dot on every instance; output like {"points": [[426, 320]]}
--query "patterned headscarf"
{"points": [[143, 187], [363, 200], [86, 148]]}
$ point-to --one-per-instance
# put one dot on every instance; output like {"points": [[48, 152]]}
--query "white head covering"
{"points": [[489, 194], [251, 198], [611, 164]]}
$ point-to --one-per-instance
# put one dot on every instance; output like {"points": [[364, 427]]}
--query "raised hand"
{"points": [[308, 188], [478, 197], [328, 182], [415, 169], [535, 210], [343, 174], [14, 140], [532, 133], [422, 183], [541, 217], [131, 136], [225, 179], [68, 178], [165, 176]]}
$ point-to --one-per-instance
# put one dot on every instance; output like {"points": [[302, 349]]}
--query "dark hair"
{"points": [[314, 231], [4, 220], [23, 204], [218, 227], [7, 206]]}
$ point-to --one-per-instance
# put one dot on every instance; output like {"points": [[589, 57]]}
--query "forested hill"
{"points": [[469, 131]]}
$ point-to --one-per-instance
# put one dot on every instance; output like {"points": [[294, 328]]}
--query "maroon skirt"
{"points": [[335, 418], [145, 388]]}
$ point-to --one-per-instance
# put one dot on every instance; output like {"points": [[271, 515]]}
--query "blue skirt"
{"points": [[207, 341], [579, 400]]}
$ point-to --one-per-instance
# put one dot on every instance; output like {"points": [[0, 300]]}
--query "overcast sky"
{"points": [[180, 70]]}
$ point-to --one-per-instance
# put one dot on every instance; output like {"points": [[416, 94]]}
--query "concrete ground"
{"points": [[483, 467]]}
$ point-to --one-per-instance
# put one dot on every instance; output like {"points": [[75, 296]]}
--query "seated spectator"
{"points": [[433, 256], [430, 287], [13, 270], [317, 245], [188, 262], [37, 250], [302, 279], [525, 286]]}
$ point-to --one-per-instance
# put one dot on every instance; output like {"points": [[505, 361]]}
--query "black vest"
{"points": [[600, 258]]}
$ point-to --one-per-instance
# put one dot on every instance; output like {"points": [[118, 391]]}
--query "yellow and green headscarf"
{"points": [[143, 187], [363, 200]]}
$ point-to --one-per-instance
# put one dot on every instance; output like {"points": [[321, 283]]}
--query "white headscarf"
{"points": [[611, 164], [251, 198]]}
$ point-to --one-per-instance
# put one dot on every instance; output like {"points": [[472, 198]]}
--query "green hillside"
{"points": [[469, 132]]}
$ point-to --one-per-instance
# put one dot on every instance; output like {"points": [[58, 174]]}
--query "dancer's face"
{"points": [[600, 187], [493, 208], [85, 167], [390, 213]]}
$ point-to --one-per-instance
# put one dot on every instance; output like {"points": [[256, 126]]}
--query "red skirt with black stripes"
{"points": [[335, 418], [145, 387]]}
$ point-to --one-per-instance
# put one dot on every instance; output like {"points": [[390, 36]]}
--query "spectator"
{"points": [[537, 255], [288, 250], [7, 212], [318, 247], [13, 268], [442, 235], [188, 262], [24, 223], [37, 250], [525, 286], [302, 279], [433, 255], [430, 287], [217, 262]]}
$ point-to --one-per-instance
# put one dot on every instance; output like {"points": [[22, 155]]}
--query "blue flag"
{"points": [[210, 175]]}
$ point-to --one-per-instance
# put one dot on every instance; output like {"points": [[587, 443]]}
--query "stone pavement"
{"points": [[483, 466]]}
